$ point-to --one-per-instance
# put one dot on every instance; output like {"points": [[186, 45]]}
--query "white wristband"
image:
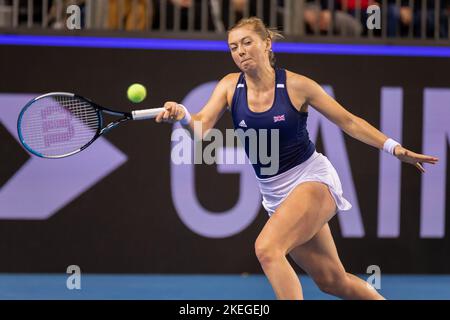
{"points": [[187, 116], [389, 145]]}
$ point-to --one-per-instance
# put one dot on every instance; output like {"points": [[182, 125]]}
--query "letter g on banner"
{"points": [[191, 212]]}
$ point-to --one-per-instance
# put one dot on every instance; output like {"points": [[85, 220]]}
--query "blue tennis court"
{"points": [[198, 287]]}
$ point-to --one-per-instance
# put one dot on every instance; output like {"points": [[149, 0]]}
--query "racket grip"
{"points": [[146, 113]]}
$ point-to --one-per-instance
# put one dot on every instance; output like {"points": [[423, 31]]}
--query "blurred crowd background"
{"points": [[425, 19]]}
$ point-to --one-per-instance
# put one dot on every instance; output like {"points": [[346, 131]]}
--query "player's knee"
{"points": [[267, 252], [332, 283]]}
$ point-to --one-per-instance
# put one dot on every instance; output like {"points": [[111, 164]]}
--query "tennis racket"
{"points": [[61, 124]]}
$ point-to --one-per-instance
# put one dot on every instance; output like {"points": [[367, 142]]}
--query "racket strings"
{"points": [[59, 125]]}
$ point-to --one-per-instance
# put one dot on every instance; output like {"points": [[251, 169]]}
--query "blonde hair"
{"points": [[262, 30]]}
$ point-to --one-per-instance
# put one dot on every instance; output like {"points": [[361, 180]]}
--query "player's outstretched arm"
{"points": [[201, 122], [357, 127]]}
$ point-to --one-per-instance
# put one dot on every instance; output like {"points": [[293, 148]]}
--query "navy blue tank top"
{"points": [[295, 146]]}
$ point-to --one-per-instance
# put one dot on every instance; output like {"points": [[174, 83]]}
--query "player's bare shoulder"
{"points": [[297, 81], [230, 79], [297, 87], [229, 82]]}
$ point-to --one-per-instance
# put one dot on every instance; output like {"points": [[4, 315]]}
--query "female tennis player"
{"points": [[306, 191]]}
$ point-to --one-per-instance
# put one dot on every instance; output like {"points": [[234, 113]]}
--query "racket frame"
{"points": [[125, 116]]}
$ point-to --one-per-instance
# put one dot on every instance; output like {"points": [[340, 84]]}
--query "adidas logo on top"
{"points": [[242, 124]]}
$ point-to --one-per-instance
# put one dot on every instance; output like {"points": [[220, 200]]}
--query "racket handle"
{"points": [[146, 113]]}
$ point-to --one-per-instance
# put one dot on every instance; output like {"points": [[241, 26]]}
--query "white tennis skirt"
{"points": [[317, 168]]}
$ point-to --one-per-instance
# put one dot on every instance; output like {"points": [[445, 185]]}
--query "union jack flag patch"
{"points": [[278, 118]]}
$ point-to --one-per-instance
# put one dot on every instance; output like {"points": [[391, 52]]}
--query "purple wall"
{"points": [[122, 206]]}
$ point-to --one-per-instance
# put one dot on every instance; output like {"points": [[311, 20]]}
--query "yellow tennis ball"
{"points": [[136, 92]]}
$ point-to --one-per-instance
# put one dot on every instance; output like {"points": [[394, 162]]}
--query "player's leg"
{"points": [[319, 258], [301, 215]]}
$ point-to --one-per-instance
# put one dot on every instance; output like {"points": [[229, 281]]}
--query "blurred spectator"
{"points": [[111, 14], [57, 12], [352, 6], [318, 16], [185, 7], [400, 19], [218, 13], [357, 9], [5, 13], [131, 15], [242, 8]]}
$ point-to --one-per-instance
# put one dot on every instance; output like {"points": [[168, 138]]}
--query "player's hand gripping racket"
{"points": [[60, 124]]}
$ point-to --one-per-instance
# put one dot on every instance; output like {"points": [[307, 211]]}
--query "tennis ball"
{"points": [[136, 92]]}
